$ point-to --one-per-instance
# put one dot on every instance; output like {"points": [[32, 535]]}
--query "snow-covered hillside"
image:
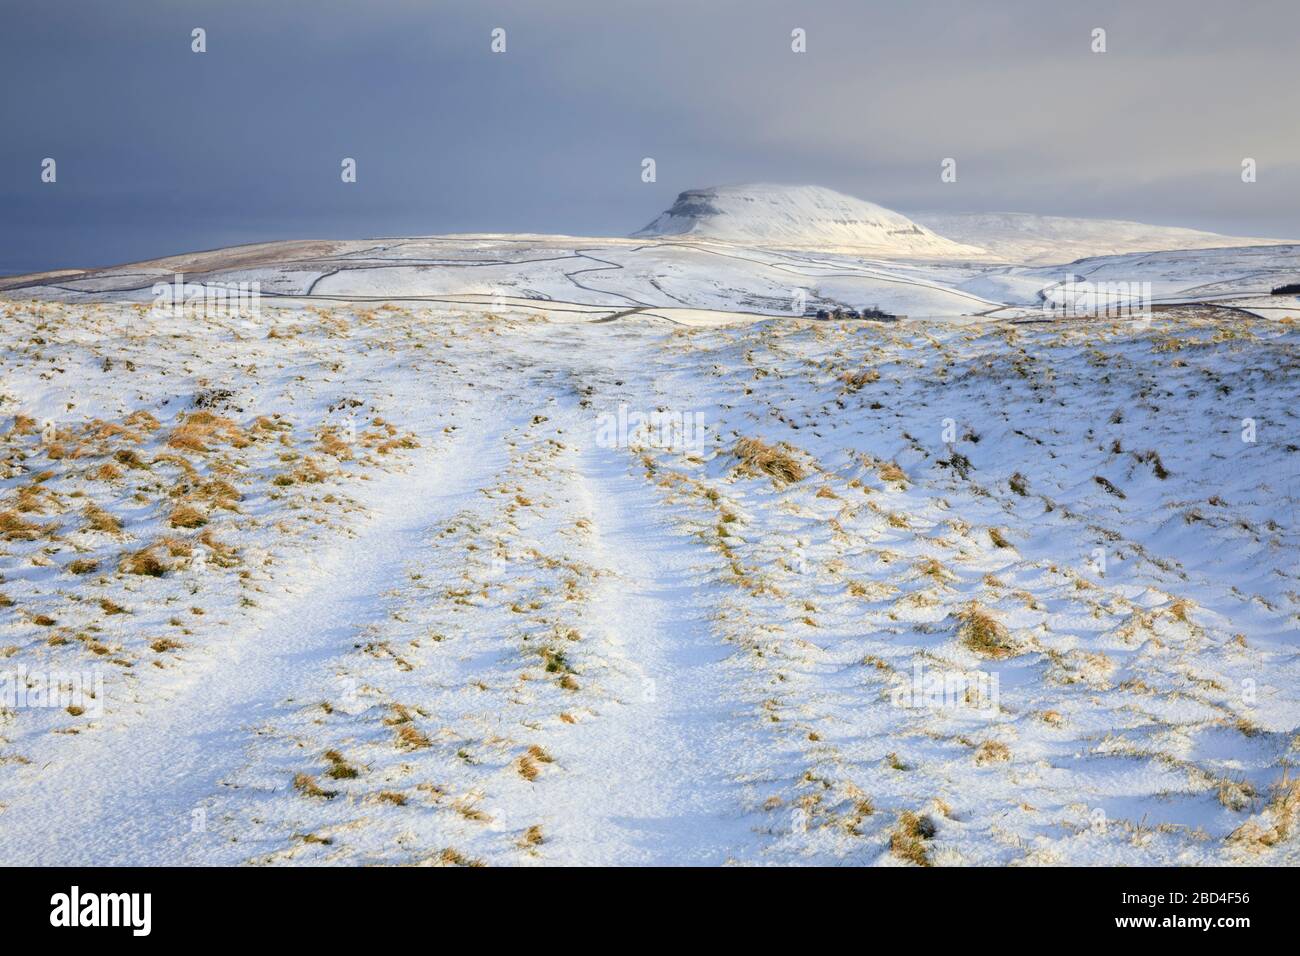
{"points": [[385, 583], [566, 274], [747, 250], [1033, 239], [800, 217]]}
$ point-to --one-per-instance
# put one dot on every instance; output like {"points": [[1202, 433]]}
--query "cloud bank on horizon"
{"points": [[162, 150]]}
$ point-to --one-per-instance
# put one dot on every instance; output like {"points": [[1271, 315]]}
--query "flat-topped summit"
{"points": [[799, 217]]}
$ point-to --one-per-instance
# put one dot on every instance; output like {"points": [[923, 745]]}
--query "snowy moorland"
{"points": [[523, 549], [420, 582]]}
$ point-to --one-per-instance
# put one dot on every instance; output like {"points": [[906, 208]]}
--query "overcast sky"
{"points": [[162, 150]]}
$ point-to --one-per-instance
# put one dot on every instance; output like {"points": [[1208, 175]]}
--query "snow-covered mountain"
{"points": [[800, 217], [1033, 239]]}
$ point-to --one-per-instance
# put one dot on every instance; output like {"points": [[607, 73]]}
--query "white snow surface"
{"points": [[417, 602], [1031, 238]]}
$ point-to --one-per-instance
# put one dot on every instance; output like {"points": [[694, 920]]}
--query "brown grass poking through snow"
{"points": [[1109, 486], [889, 471], [452, 857], [1281, 815], [221, 554], [527, 768], [187, 516], [983, 633], [992, 751], [201, 427], [13, 527], [144, 562], [528, 765], [340, 769], [97, 519], [855, 380], [409, 737], [306, 784], [757, 457], [908, 841]]}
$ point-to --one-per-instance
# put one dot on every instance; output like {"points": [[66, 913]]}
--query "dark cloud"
{"points": [[162, 150]]}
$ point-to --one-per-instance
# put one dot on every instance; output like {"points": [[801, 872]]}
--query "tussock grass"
{"points": [[855, 380], [144, 562], [1109, 486], [340, 769], [221, 554], [97, 519], [141, 418], [555, 661], [1152, 458], [130, 459], [775, 461], [187, 516], [527, 768], [333, 445], [983, 633], [992, 751], [306, 784], [909, 838], [451, 857], [13, 527], [1280, 818], [932, 568], [307, 472], [197, 430], [409, 737], [889, 471]]}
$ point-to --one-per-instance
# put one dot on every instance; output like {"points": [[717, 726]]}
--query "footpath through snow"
{"points": [[383, 586]]}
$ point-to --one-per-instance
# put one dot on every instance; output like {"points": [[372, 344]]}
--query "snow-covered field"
{"points": [[573, 276], [754, 250], [546, 549], [404, 582]]}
